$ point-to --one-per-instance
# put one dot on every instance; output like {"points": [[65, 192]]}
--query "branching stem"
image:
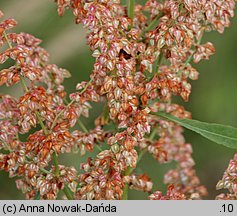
{"points": [[130, 7], [68, 192], [55, 158], [130, 170]]}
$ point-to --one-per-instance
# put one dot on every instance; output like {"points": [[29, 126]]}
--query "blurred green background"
{"points": [[213, 97]]}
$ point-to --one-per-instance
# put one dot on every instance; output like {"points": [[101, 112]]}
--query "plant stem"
{"points": [[54, 155], [37, 196], [41, 123], [153, 133], [82, 126], [130, 8], [60, 113], [24, 84], [79, 122], [86, 86], [129, 171], [125, 192], [153, 23], [8, 42], [68, 192], [189, 58], [159, 60], [6, 145], [45, 171], [27, 90], [46, 132], [68, 104], [99, 148], [55, 158]]}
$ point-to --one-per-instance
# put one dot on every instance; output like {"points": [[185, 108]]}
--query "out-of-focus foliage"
{"points": [[213, 97]]}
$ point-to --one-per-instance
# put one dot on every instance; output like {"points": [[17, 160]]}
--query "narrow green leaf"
{"points": [[221, 134]]}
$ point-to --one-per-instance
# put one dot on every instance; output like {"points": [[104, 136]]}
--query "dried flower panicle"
{"points": [[46, 184], [139, 182], [229, 181], [86, 141], [102, 178], [171, 194], [29, 160]]}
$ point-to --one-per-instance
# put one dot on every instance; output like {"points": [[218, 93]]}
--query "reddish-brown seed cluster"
{"points": [[47, 185], [126, 51], [141, 61], [86, 141], [102, 178], [229, 181], [139, 182], [171, 194], [29, 160], [170, 146]]}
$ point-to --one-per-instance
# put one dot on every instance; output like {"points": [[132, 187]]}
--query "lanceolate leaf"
{"points": [[221, 134]]}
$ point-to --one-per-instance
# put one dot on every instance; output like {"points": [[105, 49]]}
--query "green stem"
{"points": [[82, 126], [68, 104], [189, 58], [55, 159], [60, 113], [24, 84], [6, 145], [37, 196], [125, 192], [45, 171], [56, 167], [8, 42], [153, 23], [130, 7], [41, 123], [80, 123], [54, 155], [99, 148], [46, 132], [68, 192], [159, 60], [84, 129], [129, 171], [5, 119], [153, 133], [86, 86]]}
